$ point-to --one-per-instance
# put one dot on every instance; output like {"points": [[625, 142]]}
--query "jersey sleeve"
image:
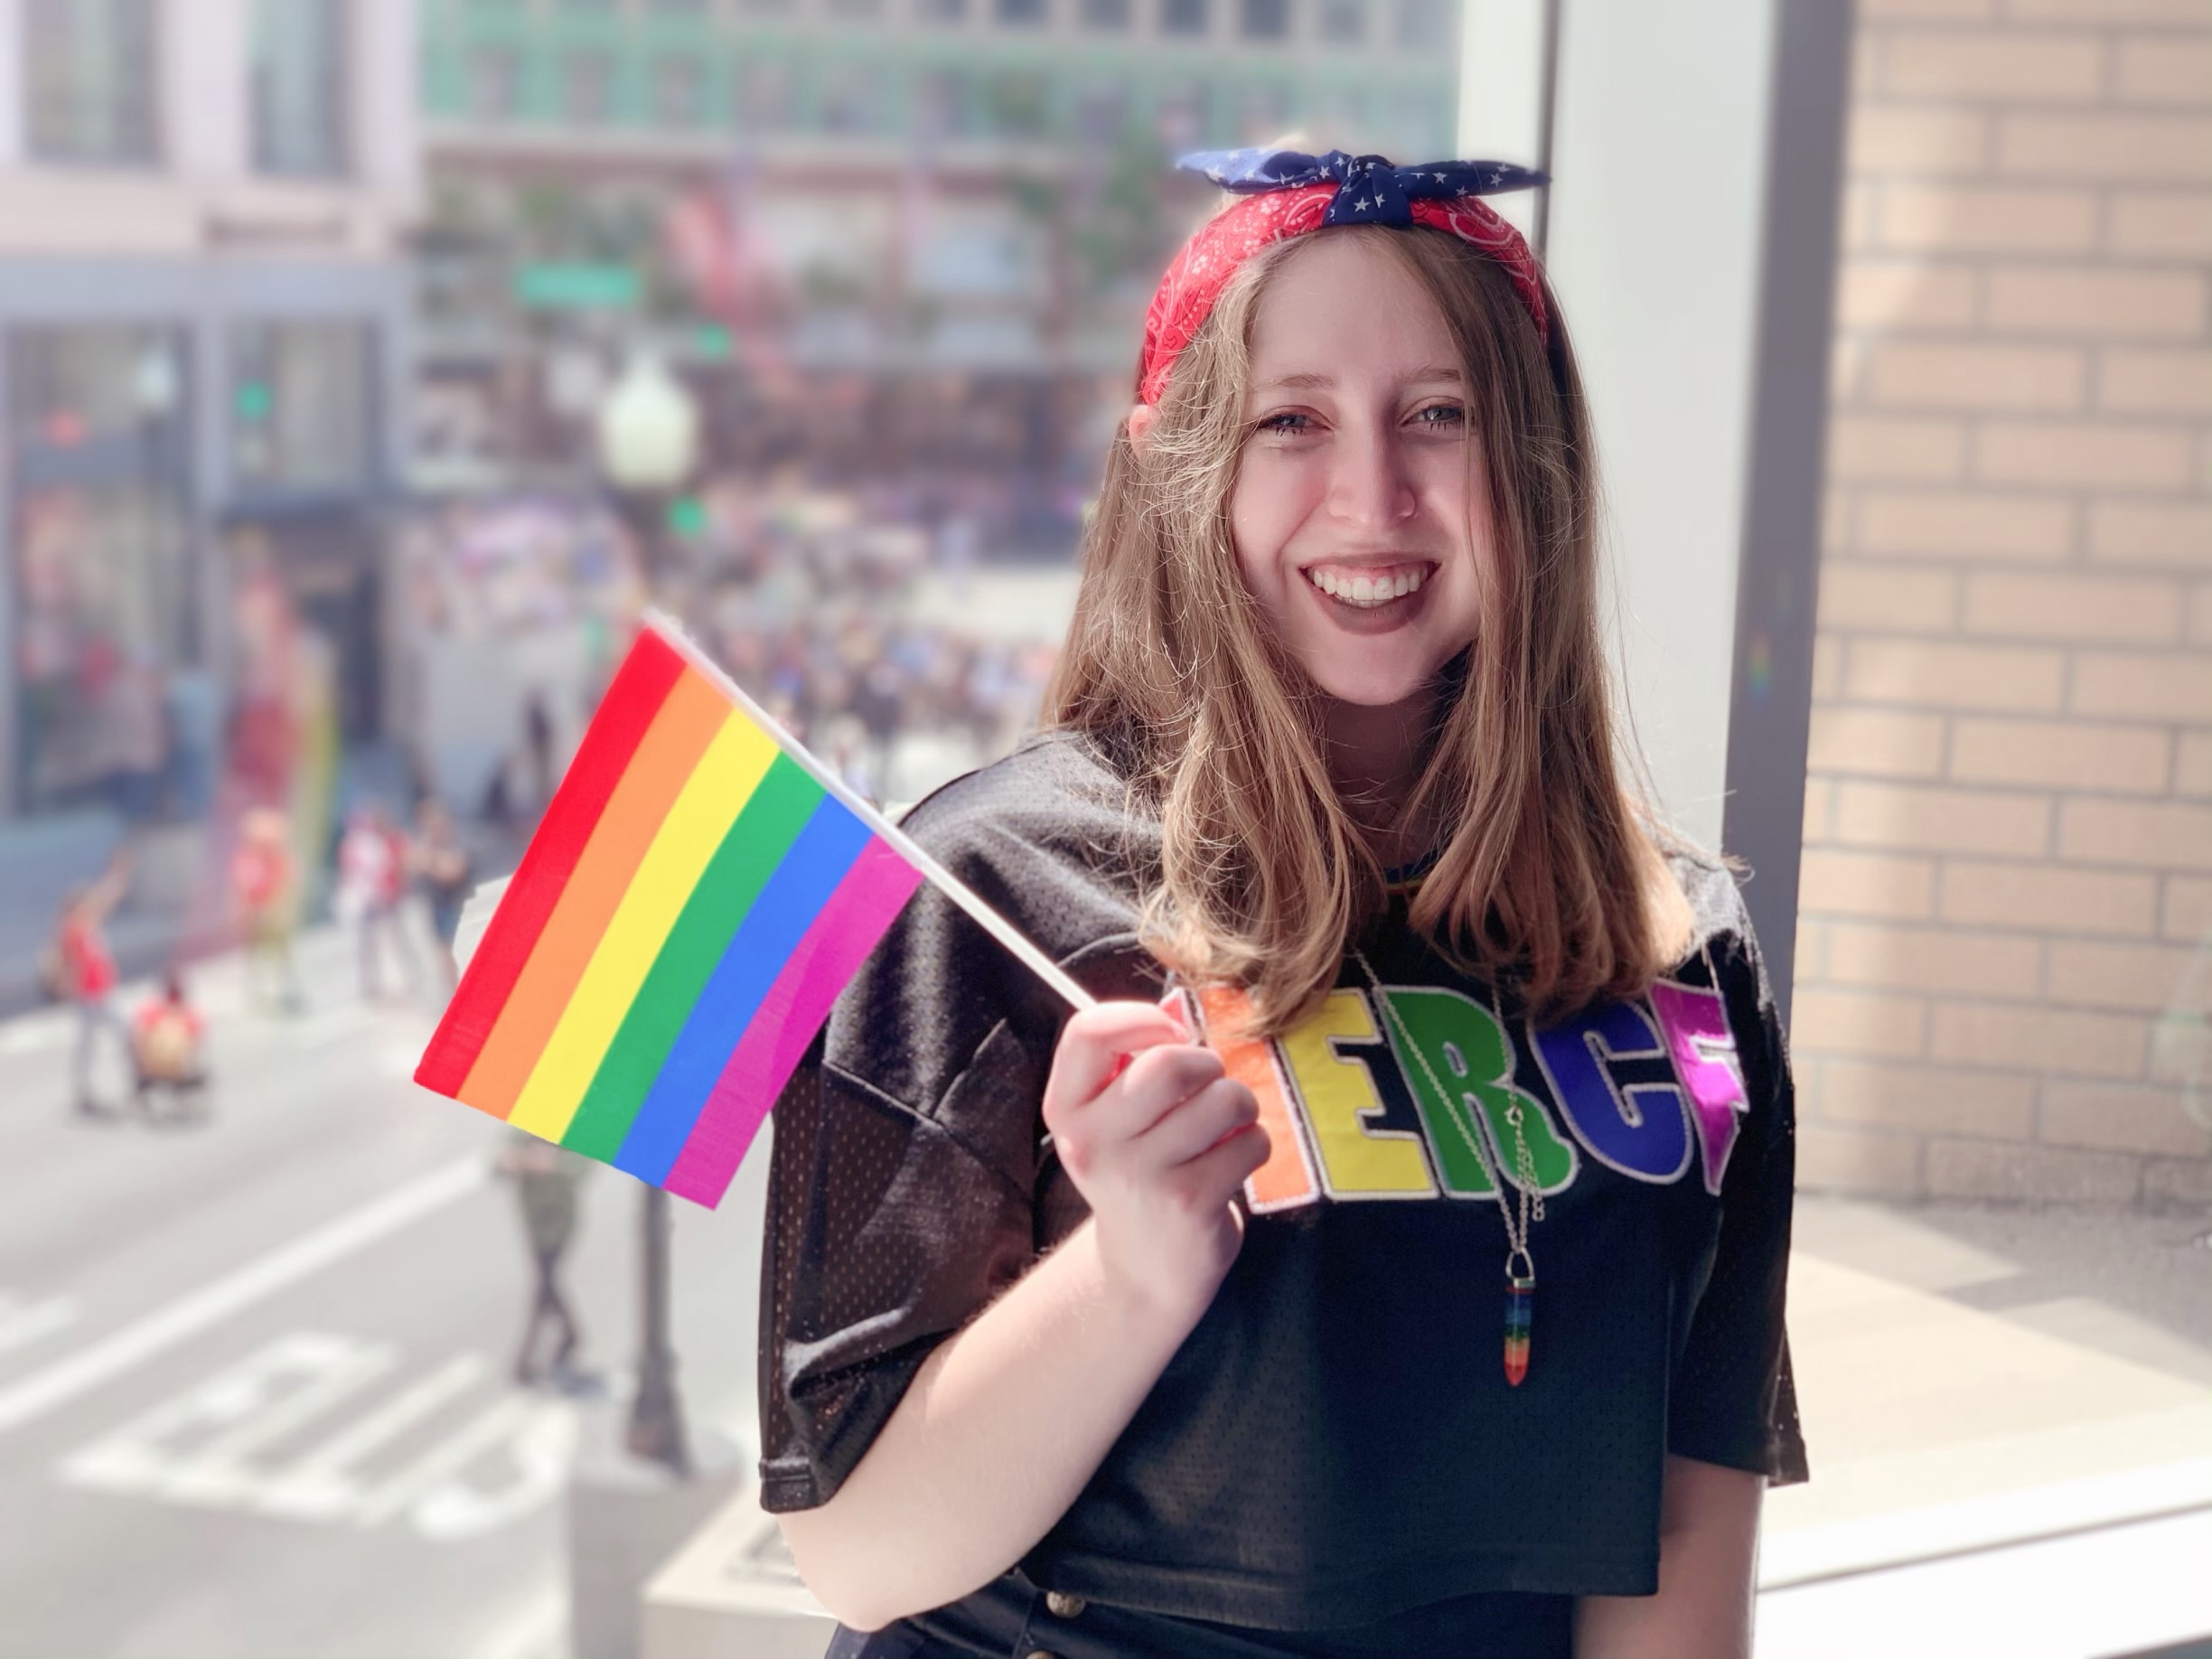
{"points": [[909, 1179], [893, 1219], [1731, 1400]]}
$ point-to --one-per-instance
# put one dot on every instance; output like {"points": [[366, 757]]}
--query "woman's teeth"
{"points": [[1368, 589]]}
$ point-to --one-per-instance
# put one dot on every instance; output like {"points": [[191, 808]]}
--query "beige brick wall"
{"points": [[2005, 953]]}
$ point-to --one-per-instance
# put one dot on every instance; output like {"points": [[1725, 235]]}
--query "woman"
{"points": [[1084, 1336]]}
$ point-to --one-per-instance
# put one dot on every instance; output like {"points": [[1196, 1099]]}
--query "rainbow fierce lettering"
{"points": [[687, 911]]}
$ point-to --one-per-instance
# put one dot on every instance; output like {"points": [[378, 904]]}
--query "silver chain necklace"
{"points": [[1519, 1266]]}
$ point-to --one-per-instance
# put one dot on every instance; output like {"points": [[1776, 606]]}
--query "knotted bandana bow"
{"points": [[1294, 194]]}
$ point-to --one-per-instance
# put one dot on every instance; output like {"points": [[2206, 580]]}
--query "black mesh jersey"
{"points": [[1335, 1452]]}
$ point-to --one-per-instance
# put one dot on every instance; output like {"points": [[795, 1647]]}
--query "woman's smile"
{"points": [[1365, 599]]}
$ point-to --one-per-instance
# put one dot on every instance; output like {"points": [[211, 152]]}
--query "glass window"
{"points": [[1262, 114], [494, 83], [1021, 13], [680, 92], [1180, 116], [1106, 13], [98, 559], [70, 386], [587, 87], [1426, 25], [852, 99], [941, 104], [764, 97], [299, 87], [1101, 113], [1183, 16], [89, 79], [1344, 22], [301, 405], [101, 611], [1266, 20], [1020, 103]]}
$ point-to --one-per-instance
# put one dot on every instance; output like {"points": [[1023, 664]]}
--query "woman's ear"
{"points": [[1140, 418]]}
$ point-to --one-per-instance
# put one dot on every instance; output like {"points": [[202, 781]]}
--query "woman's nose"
{"points": [[1370, 487]]}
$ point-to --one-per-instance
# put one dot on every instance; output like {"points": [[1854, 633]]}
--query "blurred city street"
{"points": [[256, 1389]]}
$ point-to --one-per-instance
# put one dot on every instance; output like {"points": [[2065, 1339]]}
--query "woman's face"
{"points": [[1360, 510]]}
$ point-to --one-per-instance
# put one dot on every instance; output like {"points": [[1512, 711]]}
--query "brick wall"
{"points": [[2005, 964]]}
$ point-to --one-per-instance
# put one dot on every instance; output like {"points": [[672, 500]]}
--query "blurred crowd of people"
{"points": [[806, 595], [808, 601]]}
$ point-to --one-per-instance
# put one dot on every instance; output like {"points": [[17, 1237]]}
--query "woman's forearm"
{"points": [[1707, 1556], [995, 1438]]}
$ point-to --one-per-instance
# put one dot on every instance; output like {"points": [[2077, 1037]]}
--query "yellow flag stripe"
{"points": [[716, 793]]}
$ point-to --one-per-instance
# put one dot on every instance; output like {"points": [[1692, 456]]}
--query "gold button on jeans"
{"points": [[1061, 1605], [1038, 1653]]}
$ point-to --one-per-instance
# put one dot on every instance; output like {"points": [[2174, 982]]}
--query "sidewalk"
{"points": [[2009, 1413], [2010, 1419]]}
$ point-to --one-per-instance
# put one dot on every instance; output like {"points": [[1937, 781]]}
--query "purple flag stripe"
{"points": [[873, 892]]}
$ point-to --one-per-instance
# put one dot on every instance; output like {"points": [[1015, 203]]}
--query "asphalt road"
{"points": [[254, 1373]]}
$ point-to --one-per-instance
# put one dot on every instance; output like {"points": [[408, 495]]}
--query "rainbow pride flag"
{"points": [[699, 893]]}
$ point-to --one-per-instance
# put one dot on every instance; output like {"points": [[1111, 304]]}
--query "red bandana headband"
{"points": [[1292, 194]]}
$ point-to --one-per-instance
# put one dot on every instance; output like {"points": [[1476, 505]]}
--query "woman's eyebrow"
{"points": [[1448, 374]]}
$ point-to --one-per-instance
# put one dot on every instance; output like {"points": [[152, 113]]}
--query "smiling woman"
{"points": [[1180, 1329]]}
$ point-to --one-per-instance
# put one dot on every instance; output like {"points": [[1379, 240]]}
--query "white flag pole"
{"points": [[942, 880]]}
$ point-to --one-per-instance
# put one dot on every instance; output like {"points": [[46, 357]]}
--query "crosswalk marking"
{"points": [[211, 1445], [176, 1321], [318, 1486], [541, 1446], [447, 1458]]}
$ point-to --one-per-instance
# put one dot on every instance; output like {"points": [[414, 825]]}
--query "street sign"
{"points": [[578, 288]]}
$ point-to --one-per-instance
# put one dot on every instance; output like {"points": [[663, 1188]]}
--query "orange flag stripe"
{"points": [[666, 756]]}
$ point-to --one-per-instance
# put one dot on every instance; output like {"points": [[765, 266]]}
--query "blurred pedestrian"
{"points": [[166, 1048], [442, 866], [264, 880], [546, 1179], [85, 968], [371, 881], [538, 737]]}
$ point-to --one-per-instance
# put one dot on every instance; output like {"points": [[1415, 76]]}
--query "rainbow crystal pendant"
{"points": [[1520, 1301]]}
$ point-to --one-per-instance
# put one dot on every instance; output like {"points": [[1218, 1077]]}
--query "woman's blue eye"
{"points": [[1447, 414], [1281, 423]]}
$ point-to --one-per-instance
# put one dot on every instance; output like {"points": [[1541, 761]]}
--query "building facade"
{"points": [[204, 304], [919, 232]]}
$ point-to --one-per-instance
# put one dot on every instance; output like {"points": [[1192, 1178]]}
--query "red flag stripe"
{"points": [[640, 687]]}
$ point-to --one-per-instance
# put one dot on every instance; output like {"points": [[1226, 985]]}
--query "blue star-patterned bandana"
{"points": [[1374, 192]]}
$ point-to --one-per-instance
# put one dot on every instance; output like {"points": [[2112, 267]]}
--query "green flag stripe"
{"points": [[740, 867]]}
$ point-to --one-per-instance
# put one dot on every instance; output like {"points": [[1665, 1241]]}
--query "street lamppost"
{"points": [[648, 446], [649, 440]]}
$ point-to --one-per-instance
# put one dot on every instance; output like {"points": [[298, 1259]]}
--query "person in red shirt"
{"points": [[166, 1047], [87, 973]]}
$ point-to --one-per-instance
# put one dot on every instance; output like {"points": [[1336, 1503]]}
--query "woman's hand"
{"points": [[1157, 1139]]}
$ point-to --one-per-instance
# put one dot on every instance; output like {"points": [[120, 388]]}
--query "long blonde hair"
{"points": [[1543, 876]]}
